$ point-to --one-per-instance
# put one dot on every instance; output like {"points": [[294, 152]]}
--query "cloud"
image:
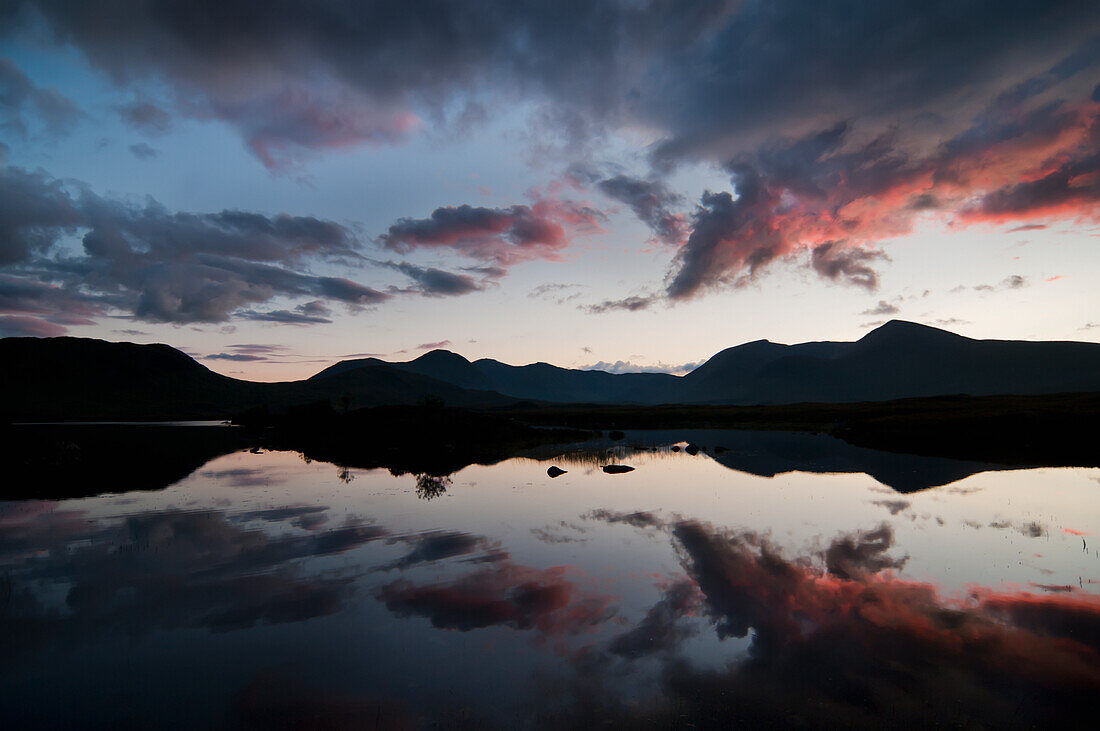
{"points": [[1013, 281], [634, 303], [239, 357], [434, 346], [559, 294], [146, 117], [882, 308], [830, 140], [308, 313], [162, 266], [502, 236], [652, 202], [433, 282], [850, 264], [21, 326], [623, 366], [20, 95], [143, 151]]}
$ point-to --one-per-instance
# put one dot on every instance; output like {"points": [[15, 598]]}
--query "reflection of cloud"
{"points": [[638, 519], [439, 545], [242, 476], [863, 647], [168, 570], [520, 597], [864, 553], [894, 506], [660, 631]]}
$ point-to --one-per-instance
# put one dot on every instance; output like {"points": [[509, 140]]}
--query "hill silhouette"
{"points": [[897, 360], [78, 379]]}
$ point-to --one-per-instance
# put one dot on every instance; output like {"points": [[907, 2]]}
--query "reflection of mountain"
{"points": [[76, 460], [771, 453], [73, 378]]}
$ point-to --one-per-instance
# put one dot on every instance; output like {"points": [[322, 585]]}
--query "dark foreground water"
{"points": [[267, 591]]}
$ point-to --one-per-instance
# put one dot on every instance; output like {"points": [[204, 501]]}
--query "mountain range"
{"points": [[50, 379]]}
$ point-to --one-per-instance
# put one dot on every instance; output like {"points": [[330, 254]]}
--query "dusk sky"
{"points": [[628, 185]]}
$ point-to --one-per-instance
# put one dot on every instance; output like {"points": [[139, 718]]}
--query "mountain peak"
{"points": [[898, 329], [440, 356]]}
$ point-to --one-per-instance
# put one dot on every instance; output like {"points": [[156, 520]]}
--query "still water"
{"points": [[710, 589]]}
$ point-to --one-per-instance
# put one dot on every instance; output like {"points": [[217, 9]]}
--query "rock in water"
{"points": [[554, 471], [617, 469], [692, 449]]}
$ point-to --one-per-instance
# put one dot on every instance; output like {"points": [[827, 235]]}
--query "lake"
{"points": [[732, 577]]}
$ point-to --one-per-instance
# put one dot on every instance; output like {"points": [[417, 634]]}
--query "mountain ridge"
{"points": [[78, 378]]}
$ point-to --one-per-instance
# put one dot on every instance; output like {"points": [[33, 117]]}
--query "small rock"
{"points": [[554, 471], [675, 448], [692, 449], [617, 469]]}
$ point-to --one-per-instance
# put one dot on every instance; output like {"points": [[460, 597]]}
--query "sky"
{"points": [[626, 185]]}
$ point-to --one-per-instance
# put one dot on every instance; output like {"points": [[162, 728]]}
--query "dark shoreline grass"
{"points": [[53, 461], [1050, 430]]}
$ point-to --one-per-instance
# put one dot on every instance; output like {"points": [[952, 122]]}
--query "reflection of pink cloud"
{"points": [[1074, 532], [795, 610], [507, 594]]}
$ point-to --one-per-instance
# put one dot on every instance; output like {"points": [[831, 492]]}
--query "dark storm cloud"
{"points": [[162, 266], [20, 96], [652, 202]]}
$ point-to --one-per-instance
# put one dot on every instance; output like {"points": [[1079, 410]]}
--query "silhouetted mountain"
{"points": [[441, 365], [897, 360], [63, 379], [79, 379], [545, 382]]}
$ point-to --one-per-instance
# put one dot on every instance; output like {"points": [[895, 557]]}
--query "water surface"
{"points": [[753, 582]]}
